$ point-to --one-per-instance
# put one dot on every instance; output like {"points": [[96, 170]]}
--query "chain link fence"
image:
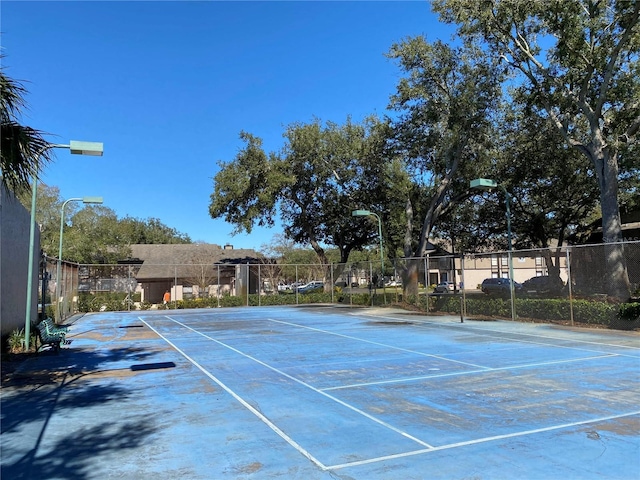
{"points": [[568, 284]]}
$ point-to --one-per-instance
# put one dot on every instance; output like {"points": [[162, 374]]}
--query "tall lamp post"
{"points": [[367, 213], [59, 266], [76, 148], [487, 184]]}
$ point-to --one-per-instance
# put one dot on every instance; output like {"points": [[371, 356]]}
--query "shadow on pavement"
{"points": [[51, 383]]}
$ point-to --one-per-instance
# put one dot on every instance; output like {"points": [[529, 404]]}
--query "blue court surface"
{"points": [[324, 392]]}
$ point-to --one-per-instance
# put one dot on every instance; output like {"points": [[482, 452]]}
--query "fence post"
{"points": [[569, 284], [426, 282], [218, 292], [463, 303], [371, 286], [350, 277], [331, 267]]}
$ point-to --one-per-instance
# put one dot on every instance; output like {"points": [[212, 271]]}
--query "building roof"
{"points": [[161, 262]]}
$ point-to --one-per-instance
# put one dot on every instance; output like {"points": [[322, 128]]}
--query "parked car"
{"points": [[499, 286], [284, 287], [543, 285], [315, 286], [393, 283], [445, 287]]}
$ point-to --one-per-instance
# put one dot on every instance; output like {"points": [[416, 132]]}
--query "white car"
{"points": [[445, 287], [310, 287], [284, 287]]}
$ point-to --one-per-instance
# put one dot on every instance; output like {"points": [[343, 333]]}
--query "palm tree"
{"points": [[23, 149]]}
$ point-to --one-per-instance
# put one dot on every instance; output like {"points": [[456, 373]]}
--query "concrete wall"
{"points": [[14, 257]]}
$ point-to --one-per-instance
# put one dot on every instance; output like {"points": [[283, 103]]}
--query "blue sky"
{"points": [[168, 86]]}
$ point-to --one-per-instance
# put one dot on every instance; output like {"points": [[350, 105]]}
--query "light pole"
{"points": [[487, 185], [59, 267], [366, 213], [76, 148]]}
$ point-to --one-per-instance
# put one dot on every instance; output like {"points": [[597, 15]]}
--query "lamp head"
{"points": [[483, 184], [91, 199], [360, 213], [86, 148]]}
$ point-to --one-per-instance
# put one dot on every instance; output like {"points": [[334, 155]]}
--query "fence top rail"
{"points": [[515, 253]]}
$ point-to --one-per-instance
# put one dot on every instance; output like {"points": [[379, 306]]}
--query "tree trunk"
{"points": [[616, 276], [410, 276], [409, 271], [553, 267]]}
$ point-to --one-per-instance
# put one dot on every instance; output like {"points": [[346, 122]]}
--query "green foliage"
{"points": [[489, 306], [628, 316], [446, 102], [320, 173], [93, 234], [629, 311], [584, 311], [15, 341], [549, 309], [357, 299], [625, 316], [581, 74], [24, 150], [102, 302], [597, 313], [232, 301], [269, 300]]}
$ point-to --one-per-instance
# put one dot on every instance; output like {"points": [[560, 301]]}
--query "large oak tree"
{"points": [[577, 63], [323, 172], [445, 102]]}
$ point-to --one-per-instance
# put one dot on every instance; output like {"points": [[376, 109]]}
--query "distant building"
{"points": [[630, 226], [193, 270]]}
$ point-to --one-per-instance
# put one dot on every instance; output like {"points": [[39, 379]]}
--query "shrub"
{"points": [[628, 317], [15, 342], [629, 311], [358, 299], [270, 300], [489, 306], [599, 313], [229, 301], [101, 302], [543, 309]]}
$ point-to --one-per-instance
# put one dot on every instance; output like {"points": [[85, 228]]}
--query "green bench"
{"points": [[52, 335]]}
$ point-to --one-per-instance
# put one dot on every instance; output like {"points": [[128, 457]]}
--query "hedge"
{"points": [[624, 316], [584, 311]]}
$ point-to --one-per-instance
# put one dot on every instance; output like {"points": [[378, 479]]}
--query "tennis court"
{"points": [[329, 392]]}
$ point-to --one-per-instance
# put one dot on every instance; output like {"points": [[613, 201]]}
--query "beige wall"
{"points": [[14, 257], [476, 269]]}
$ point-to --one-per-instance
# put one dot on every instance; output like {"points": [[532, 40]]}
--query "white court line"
{"points": [[470, 327], [264, 419], [467, 372], [482, 440], [429, 448], [393, 347], [280, 372]]}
